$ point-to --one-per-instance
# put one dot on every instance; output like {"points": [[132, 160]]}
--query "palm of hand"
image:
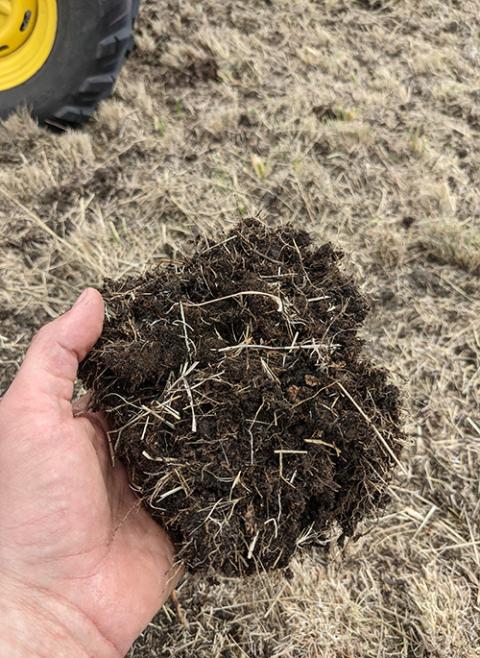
{"points": [[69, 524]]}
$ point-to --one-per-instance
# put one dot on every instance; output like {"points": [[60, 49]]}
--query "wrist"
{"points": [[38, 624]]}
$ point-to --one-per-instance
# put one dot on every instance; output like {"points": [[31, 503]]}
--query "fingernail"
{"points": [[81, 299]]}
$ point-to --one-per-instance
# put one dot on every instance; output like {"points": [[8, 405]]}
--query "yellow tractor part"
{"points": [[27, 34]]}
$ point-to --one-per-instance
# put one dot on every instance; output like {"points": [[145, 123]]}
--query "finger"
{"points": [[82, 405], [96, 427], [101, 419], [47, 375]]}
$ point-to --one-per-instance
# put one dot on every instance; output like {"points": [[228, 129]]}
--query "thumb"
{"points": [[46, 378]]}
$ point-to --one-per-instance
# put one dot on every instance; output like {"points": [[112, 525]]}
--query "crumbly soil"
{"points": [[248, 419]]}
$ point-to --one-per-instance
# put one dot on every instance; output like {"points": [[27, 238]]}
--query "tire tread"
{"points": [[111, 53]]}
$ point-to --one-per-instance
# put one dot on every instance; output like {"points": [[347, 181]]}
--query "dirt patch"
{"points": [[247, 418], [190, 73], [201, 70]]}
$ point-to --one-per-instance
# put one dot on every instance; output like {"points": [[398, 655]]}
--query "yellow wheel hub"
{"points": [[27, 34]]}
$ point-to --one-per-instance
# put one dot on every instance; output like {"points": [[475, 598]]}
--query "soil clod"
{"points": [[248, 418]]}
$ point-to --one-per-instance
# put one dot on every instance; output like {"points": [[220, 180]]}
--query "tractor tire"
{"points": [[88, 43]]}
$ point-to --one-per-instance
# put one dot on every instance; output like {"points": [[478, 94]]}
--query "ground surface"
{"points": [[360, 120]]}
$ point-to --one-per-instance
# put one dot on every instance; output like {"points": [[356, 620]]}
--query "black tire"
{"points": [[93, 39]]}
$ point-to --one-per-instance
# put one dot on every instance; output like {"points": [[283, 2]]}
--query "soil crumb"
{"points": [[249, 421]]}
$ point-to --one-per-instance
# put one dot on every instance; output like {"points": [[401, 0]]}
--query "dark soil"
{"points": [[191, 72], [249, 421]]}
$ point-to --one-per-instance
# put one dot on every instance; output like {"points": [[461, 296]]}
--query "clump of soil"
{"points": [[249, 421]]}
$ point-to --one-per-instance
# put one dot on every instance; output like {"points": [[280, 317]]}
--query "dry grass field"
{"points": [[359, 120]]}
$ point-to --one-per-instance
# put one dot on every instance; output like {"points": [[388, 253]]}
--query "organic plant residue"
{"points": [[249, 420]]}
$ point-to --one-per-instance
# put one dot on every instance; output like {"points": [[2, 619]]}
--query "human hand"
{"points": [[83, 568]]}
